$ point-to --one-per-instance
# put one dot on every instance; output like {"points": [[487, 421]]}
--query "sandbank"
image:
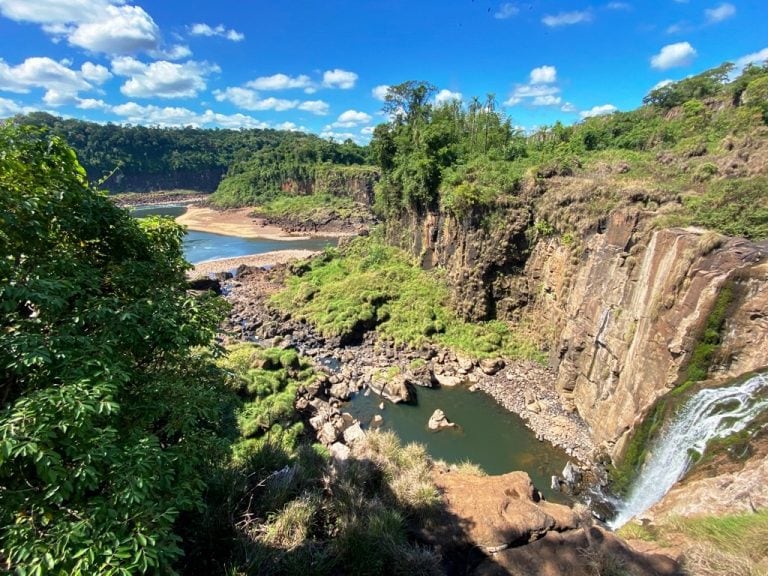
{"points": [[237, 222], [263, 259]]}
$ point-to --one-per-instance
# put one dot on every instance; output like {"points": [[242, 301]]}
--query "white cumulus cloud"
{"points": [[95, 73], [280, 82], [201, 29], [673, 55], [567, 18], [152, 115], [507, 10], [720, 13], [351, 118], [250, 100], [107, 26], [162, 79], [337, 78], [315, 106], [380, 92], [61, 83], [598, 111], [544, 75], [445, 96]]}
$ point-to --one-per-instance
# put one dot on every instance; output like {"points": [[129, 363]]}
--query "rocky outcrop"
{"points": [[482, 254], [439, 420], [357, 182], [630, 308]]}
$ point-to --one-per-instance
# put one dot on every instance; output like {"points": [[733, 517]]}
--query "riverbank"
{"points": [[524, 388], [265, 259], [166, 198], [240, 222]]}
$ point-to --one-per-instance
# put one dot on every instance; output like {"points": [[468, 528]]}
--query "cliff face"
{"points": [[620, 309], [196, 180], [636, 304], [354, 181]]}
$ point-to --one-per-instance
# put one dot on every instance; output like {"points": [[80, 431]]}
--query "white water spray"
{"points": [[710, 413]]}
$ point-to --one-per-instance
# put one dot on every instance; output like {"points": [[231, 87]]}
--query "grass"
{"points": [[310, 207], [728, 545], [374, 286]]}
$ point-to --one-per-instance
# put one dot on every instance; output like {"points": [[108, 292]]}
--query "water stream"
{"points": [[708, 414], [205, 246]]}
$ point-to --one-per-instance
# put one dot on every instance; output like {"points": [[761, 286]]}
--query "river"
{"points": [[206, 246], [487, 434]]}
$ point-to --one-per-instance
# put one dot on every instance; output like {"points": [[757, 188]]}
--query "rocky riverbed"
{"points": [[395, 372]]}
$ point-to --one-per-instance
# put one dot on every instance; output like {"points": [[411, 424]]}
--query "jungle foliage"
{"points": [[465, 158], [109, 410]]}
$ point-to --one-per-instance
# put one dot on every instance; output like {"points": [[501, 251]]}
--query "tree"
{"points": [[109, 410], [409, 102]]}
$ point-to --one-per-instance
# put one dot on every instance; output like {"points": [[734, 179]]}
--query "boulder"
{"points": [[353, 433], [438, 421], [491, 366], [448, 381], [339, 451], [395, 389]]}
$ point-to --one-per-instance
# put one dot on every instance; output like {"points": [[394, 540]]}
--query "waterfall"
{"points": [[710, 413]]}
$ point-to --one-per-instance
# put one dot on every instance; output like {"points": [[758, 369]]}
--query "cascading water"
{"points": [[710, 413]]}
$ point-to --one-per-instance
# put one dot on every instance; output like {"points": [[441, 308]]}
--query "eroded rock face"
{"points": [[630, 310]]}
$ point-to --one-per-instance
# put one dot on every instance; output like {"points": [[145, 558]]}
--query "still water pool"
{"points": [[487, 434], [204, 246]]}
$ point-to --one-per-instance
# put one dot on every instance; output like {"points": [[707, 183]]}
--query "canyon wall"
{"points": [[620, 308]]}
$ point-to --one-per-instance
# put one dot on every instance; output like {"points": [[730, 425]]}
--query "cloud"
{"points": [[380, 92], [673, 55], [107, 26], [759, 57], [720, 13], [548, 100], [162, 79], [220, 30], [92, 104], [506, 11], [567, 18], [291, 127], [339, 79], [544, 75], [250, 100], [280, 82], [598, 111], [351, 118], [315, 106], [152, 115], [8, 107], [618, 6], [445, 96], [568, 107], [95, 73], [61, 83]]}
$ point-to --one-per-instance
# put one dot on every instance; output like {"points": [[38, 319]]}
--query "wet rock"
{"points": [[438, 421], [395, 389]]}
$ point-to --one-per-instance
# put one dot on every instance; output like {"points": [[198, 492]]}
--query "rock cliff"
{"points": [[620, 308]]}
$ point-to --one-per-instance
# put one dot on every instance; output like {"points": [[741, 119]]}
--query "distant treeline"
{"points": [[141, 159]]}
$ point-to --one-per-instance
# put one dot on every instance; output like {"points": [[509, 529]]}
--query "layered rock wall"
{"points": [[621, 310]]}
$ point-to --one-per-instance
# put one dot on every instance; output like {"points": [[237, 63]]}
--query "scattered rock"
{"points": [[448, 381], [353, 433], [491, 366], [339, 451], [438, 421]]}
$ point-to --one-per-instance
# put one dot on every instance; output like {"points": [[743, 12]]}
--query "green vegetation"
{"points": [[468, 160], [278, 506], [253, 162], [109, 410], [300, 164], [313, 207], [729, 545], [373, 286]]}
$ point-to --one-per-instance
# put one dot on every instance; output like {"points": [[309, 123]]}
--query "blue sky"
{"points": [[322, 66]]}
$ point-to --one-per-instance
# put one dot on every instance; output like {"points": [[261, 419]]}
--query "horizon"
{"points": [[324, 69]]}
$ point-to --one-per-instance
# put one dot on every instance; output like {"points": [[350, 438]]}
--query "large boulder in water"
{"points": [[438, 421]]}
